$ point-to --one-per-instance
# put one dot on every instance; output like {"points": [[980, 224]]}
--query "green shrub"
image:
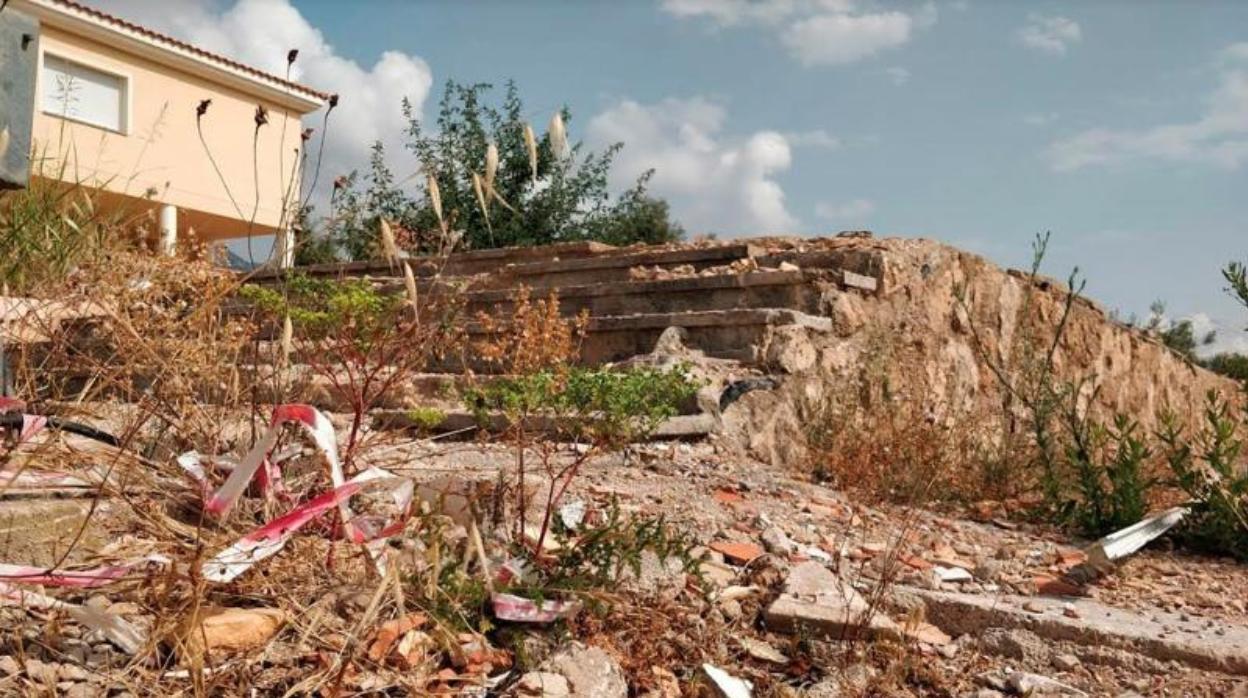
{"points": [[600, 405], [1209, 469], [321, 307], [1228, 364], [1108, 464], [425, 418]]}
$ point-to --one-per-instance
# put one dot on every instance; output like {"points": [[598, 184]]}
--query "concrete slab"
{"points": [[1199, 643]]}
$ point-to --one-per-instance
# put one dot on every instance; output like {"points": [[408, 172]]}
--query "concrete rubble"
{"points": [[796, 583]]}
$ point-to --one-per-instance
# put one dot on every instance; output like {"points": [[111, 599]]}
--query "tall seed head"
{"points": [[481, 201], [435, 197], [558, 136], [530, 144], [387, 241], [409, 281], [491, 165]]}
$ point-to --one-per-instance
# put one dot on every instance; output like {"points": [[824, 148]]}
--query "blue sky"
{"points": [[1120, 126]]}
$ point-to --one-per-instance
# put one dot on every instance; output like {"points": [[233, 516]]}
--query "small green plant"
{"points": [[321, 307], [599, 555], [424, 418], [1209, 469], [600, 406], [1028, 376], [1109, 467], [590, 411]]}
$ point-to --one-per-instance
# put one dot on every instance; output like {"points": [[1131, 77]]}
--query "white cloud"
{"points": [[816, 32], [730, 12], [1218, 137], [260, 32], [898, 75], [838, 39], [1236, 52], [715, 183], [1041, 118], [853, 212], [817, 138], [1227, 339], [1050, 35]]}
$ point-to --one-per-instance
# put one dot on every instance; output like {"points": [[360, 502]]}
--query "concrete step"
{"points": [[538, 268], [617, 266], [458, 264], [759, 289], [739, 334]]}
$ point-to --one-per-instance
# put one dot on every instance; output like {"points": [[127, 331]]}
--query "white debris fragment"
{"points": [[727, 685], [1119, 544], [572, 514], [951, 574]]}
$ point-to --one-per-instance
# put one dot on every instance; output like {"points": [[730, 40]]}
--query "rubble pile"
{"points": [[698, 562]]}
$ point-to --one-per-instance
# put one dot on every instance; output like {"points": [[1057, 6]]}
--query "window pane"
{"points": [[82, 93]]}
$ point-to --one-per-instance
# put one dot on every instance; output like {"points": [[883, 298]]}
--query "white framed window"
{"points": [[79, 92]]}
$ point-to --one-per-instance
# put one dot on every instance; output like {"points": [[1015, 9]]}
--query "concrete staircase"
{"points": [[730, 300]]}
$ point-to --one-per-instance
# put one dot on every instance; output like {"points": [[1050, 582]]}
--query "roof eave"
{"points": [[78, 22]]}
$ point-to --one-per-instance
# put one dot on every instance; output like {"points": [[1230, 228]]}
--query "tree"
{"points": [[1229, 364], [1179, 335], [531, 201]]}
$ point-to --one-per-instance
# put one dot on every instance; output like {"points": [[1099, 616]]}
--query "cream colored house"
{"points": [[117, 106]]}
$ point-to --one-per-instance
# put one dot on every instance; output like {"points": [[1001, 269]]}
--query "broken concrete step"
{"points": [[739, 334], [816, 601], [1200, 643], [761, 289], [38, 531], [458, 264], [862, 268], [616, 266]]}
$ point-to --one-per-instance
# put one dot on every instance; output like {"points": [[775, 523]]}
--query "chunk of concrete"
{"points": [[590, 671], [543, 684], [1160, 635], [817, 600]]}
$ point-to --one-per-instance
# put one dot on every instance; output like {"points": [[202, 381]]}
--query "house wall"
{"points": [[158, 154]]}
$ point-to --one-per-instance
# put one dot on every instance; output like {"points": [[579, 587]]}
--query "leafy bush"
{"points": [[1109, 465], [550, 198], [1209, 470], [320, 307], [605, 407], [1228, 364], [425, 418], [363, 342]]}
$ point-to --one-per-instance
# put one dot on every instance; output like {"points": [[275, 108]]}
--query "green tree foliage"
{"points": [[1179, 335], [566, 199], [1208, 467], [1229, 364], [1236, 274]]}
